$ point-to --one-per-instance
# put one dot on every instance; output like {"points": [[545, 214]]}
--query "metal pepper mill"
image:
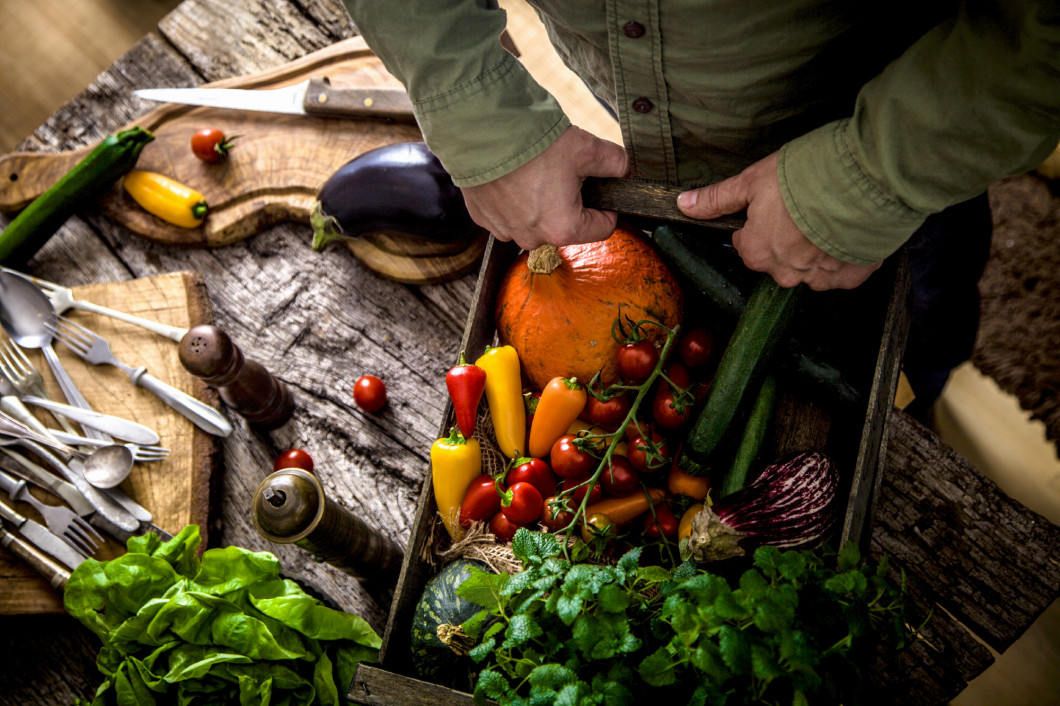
{"points": [[289, 507], [245, 385]]}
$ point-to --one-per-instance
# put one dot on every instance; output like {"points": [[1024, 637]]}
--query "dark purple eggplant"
{"points": [[791, 505], [397, 190]]}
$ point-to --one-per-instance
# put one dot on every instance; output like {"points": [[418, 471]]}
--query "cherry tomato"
{"points": [[620, 478], [606, 413], [553, 517], [568, 461], [482, 500], [636, 360], [522, 504], [369, 393], [579, 492], [598, 526], [646, 458], [210, 145], [678, 374], [503, 528], [663, 524], [667, 413], [293, 458], [695, 347], [534, 471], [681, 482]]}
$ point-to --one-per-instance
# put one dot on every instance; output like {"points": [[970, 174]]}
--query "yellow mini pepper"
{"points": [[455, 462], [504, 395], [166, 198]]}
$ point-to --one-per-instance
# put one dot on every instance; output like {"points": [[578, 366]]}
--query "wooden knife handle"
{"points": [[389, 103], [637, 198]]}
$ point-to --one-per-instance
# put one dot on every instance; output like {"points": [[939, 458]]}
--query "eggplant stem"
{"points": [[326, 229]]}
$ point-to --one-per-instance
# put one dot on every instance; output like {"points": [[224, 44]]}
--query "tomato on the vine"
{"points": [[210, 145], [668, 412], [293, 458], [569, 461], [534, 471], [607, 413], [503, 528], [580, 490], [369, 392], [695, 347], [482, 500], [636, 360], [619, 478], [645, 457], [598, 526], [521, 503], [663, 524], [553, 516]]}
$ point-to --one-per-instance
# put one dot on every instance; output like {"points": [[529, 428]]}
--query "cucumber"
{"points": [[759, 330], [32, 227], [754, 435]]}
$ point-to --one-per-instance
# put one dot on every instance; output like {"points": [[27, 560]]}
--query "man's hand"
{"points": [[770, 241], [541, 201]]}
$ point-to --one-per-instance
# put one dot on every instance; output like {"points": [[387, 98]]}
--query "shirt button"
{"points": [[633, 30], [642, 105]]}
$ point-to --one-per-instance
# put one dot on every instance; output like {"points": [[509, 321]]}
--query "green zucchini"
{"points": [[689, 263], [759, 330], [754, 436], [32, 227]]}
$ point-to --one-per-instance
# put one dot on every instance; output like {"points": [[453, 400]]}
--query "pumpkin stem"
{"points": [[544, 259]]}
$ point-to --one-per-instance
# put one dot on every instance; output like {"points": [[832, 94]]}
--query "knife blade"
{"points": [[313, 96], [22, 467], [125, 429], [39, 536]]}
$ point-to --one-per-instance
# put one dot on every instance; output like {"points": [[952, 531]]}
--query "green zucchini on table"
{"points": [[87, 180], [760, 328]]}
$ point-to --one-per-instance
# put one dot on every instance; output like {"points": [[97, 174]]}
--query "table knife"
{"points": [[22, 467], [313, 96], [41, 537], [124, 429]]}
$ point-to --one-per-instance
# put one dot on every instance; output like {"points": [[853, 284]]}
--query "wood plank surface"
{"points": [[319, 320]]}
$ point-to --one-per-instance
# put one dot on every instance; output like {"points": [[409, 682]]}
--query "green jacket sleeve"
{"points": [[479, 109], [975, 99]]}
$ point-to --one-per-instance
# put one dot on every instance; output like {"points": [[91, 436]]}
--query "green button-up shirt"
{"points": [[883, 113]]}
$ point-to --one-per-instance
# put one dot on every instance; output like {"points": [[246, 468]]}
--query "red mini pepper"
{"points": [[466, 382]]}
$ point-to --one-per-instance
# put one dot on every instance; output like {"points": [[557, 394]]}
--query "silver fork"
{"points": [[62, 299], [20, 372], [91, 347], [60, 520], [142, 453]]}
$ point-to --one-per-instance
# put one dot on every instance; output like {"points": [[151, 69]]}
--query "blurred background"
{"points": [[50, 50]]}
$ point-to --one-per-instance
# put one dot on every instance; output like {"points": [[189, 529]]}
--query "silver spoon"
{"points": [[26, 315]]}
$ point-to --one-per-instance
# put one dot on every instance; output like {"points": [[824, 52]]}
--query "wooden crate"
{"points": [[856, 439]]}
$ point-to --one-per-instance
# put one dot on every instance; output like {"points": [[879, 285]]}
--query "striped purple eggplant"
{"points": [[791, 504]]}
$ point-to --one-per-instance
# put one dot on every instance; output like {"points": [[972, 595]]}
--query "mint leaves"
{"points": [[791, 629], [227, 629]]}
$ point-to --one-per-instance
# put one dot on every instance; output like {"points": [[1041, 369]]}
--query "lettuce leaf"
{"points": [[224, 630]]}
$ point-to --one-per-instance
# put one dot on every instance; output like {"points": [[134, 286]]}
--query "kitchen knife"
{"points": [[39, 536], [313, 96]]}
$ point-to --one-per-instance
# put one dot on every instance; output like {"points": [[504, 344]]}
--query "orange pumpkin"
{"points": [[556, 306]]}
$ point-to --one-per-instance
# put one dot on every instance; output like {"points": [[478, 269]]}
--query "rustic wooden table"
{"points": [[985, 565]]}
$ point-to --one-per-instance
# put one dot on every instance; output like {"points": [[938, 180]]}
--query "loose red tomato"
{"points": [[598, 527], [668, 412], [607, 413], [534, 471], [569, 461], [553, 516], [580, 490], [482, 500], [210, 145], [636, 361], [645, 457], [521, 503], [369, 393], [619, 478], [293, 458], [503, 528], [663, 524], [695, 347]]}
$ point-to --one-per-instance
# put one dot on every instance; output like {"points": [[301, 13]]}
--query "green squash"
{"points": [[439, 604]]}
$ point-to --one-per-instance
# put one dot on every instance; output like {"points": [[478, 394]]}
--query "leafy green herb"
{"points": [[225, 630], [791, 630]]}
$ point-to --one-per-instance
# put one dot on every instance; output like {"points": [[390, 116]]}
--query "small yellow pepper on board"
{"points": [[455, 462], [504, 395], [166, 198], [562, 400]]}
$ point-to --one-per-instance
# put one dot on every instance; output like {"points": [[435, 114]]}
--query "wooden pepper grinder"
{"points": [[245, 385]]}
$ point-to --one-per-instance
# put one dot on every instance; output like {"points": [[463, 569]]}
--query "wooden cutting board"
{"points": [[272, 174], [177, 491]]}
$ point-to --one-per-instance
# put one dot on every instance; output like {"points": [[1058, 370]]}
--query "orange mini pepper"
{"points": [[562, 400]]}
